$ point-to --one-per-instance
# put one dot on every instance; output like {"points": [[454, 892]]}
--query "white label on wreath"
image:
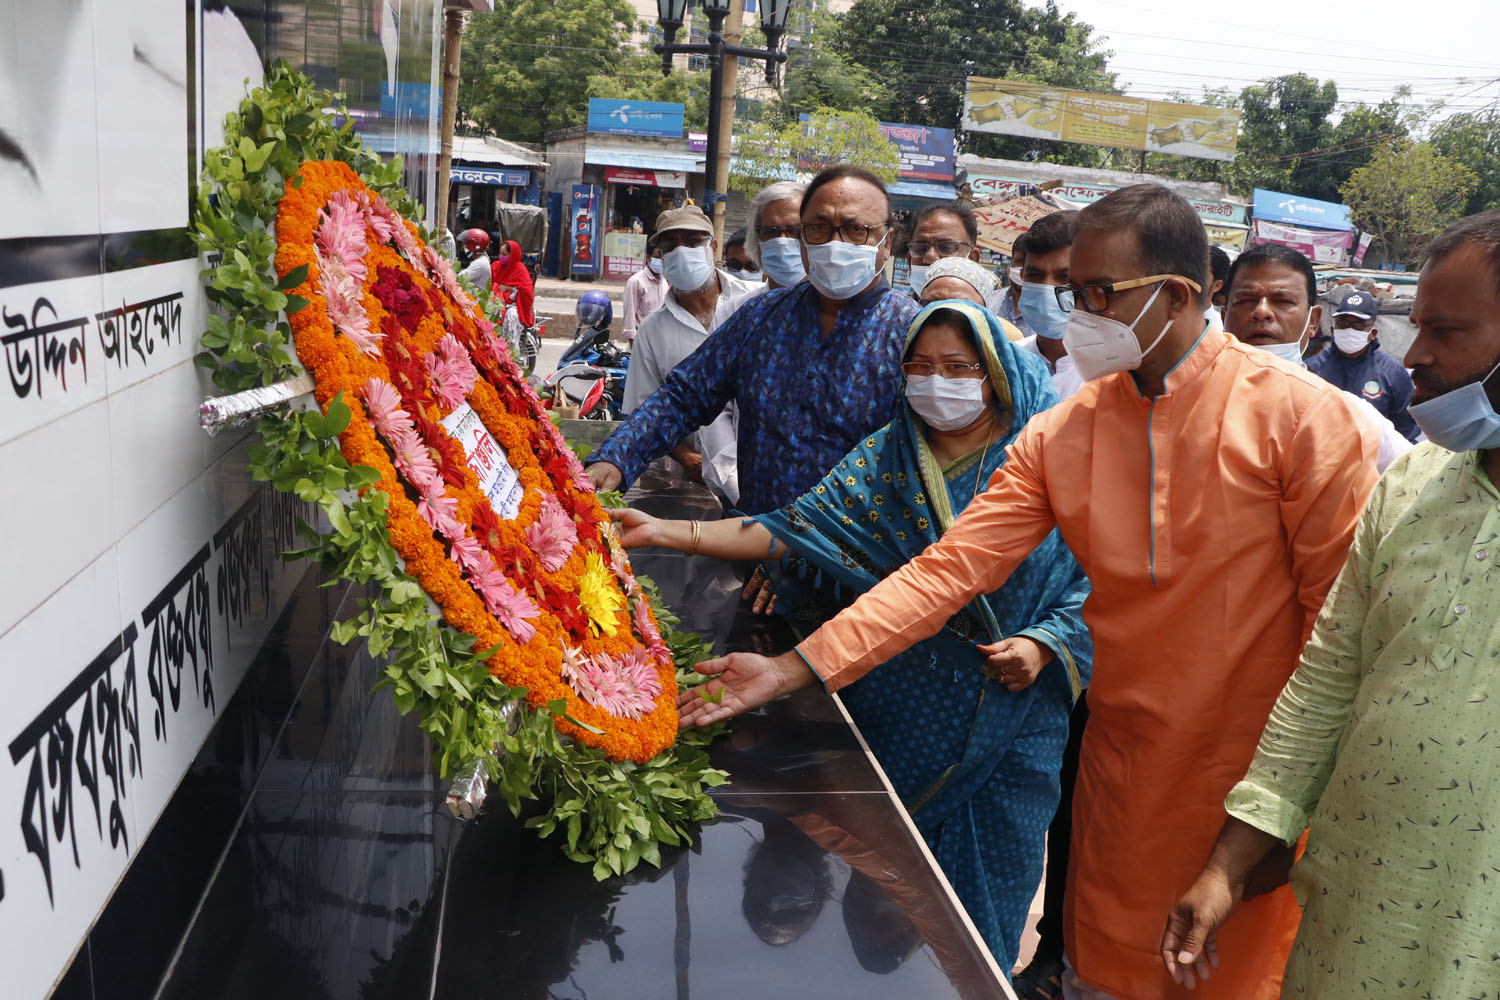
{"points": [[497, 479]]}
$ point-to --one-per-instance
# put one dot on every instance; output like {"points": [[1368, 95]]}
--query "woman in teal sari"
{"points": [[970, 724]]}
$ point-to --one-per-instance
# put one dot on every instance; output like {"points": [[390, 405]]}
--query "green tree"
{"points": [[1473, 140], [1406, 195], [766, 153], [1281, 120], [923, 53], [818, 74], [522, 65]]}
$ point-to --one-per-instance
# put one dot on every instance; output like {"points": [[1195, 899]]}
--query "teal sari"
{"points": [[976, 765]]}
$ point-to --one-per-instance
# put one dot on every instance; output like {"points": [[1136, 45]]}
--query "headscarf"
{"points": [[511, 270], [888, 499]]}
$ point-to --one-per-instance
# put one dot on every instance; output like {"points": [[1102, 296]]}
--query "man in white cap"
{"points": [[1355, 363], [699, 297]]}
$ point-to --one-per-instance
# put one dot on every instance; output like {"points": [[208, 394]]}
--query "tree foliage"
{"points": [[1473, 140], [1406, 195], [767, 153], [922, 54]]}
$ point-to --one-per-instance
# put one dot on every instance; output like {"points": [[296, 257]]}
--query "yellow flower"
{"points": [[860, 462], [921, 524], [885, 477], [820, 489], [850, 481], [598, 594]]}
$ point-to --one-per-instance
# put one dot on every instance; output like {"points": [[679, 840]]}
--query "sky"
{"points": [[1445, 49]]}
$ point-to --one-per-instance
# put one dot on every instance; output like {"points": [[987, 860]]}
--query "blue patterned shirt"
{"points": [[804, 399]]}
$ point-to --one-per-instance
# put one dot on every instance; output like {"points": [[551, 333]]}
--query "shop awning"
{"points": [[922, 189], [644, 159]]}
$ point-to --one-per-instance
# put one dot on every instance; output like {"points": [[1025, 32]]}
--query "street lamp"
{"points": [[670, 13]]}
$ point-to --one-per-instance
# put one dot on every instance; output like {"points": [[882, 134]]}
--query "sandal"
{"points": [[1041, 980]]}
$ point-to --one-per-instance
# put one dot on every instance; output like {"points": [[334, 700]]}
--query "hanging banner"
{"points": [[1039, 111], [645, 178], [1229, 237], [583, 229], [1361, 250], [1001, 223], [991, 188], [1318, 246]]}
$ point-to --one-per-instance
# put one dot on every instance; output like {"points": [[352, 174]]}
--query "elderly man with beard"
{"points": [[813, 368], [1270, 293], [699, 297], [1381, 746]]}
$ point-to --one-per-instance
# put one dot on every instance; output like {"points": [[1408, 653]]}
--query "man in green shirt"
{"points": [[1385, 743]]}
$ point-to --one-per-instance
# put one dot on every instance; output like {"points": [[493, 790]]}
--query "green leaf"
{"points": [[292, 278]]}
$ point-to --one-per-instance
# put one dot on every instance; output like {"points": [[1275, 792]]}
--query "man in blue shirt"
{"points": [[1356, 364], [813, 368]]}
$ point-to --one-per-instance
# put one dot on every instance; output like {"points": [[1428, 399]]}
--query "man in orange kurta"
{"points": [[1211, 495]]}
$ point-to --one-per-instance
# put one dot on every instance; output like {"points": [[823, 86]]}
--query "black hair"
{"points": [[1481, 230], [1275, 253], [963, 213], [1052, 232], [1170, 233], [840, 171], [1018, 248], [1218, 264], [736, 239]]}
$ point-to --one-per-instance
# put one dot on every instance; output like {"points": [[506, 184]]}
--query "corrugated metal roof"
{"points": [[487, 149]]}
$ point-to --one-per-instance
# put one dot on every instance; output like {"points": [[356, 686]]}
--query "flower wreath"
{"points": [[416, 359], [442, 482]]}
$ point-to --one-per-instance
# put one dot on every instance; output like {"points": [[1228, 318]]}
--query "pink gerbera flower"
{"points": [[553, 535], [384, 405], [451, 372], [468, 553], [512, 607], [341, 233], [378, 215], [414, 459], [344, 296], [650, 636], [441, 512], [639, 676]]}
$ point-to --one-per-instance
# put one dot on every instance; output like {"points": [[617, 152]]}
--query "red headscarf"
{"points": [[511, 270]]}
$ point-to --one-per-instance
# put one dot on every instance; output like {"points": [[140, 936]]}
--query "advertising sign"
{"points": [[1318, 246], [492, 176], [1001, 223], [635, 117], [1273, 206], [697, 142], [1192, 130], [986, 187], [1232, 237], [583, 229], [926, 153], [624, 254], [1362, 249], [1039, 111], [645, 178]]}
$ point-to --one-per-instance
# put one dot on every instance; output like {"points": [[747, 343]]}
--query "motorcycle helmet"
{"points": [[594, 310], [475, 240]]}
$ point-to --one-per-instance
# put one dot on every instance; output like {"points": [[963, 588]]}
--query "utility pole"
{"points": [[453, 40], [729, 85]]}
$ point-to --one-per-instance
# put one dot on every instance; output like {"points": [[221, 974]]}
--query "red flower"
{"points": [[400, 296]]}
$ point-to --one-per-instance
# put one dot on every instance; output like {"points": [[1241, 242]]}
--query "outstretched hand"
{"points": [[604, 475], [1189, 945], [637, 528], [1015, 662], [741, 681]]}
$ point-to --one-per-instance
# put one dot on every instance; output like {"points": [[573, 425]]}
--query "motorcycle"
{"points": [[591, 372]]}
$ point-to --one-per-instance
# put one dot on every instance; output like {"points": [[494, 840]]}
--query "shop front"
{"points": [[1320, 230], [638, 185]]}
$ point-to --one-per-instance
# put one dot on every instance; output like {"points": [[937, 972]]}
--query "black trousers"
{"points": [[1059, 840]]}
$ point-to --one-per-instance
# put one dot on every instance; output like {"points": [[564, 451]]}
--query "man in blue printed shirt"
{"points": [[1356, 364], [813, 368]]}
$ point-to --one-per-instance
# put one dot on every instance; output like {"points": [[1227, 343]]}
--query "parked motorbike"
{"points": [[591, 372]]}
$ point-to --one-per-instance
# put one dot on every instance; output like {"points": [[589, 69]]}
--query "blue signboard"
{"points": [[926, 152], [583, 228], [1273, 206], [635, 117], [492, 176]]}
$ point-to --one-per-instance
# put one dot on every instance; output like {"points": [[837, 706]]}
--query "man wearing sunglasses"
{"points": [[812, 368], [1211, 500]]}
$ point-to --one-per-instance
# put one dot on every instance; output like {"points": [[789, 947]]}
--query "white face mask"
{"points": [[1101, 346], [688, 269], [842, 270], [918, 280], [1351, 341], [1290, 353], [1015, 276], [946, 404], [654, 263]]}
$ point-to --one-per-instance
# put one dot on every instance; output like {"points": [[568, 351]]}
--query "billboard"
{"points": [[1039, 111], [614, 117], [1273, 206], [1321, 246], [926, 153]]}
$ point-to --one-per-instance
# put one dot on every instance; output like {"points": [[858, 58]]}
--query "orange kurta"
{"points": [[1211, 521]]}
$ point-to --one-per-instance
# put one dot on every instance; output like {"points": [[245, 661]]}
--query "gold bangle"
{"points": [[697, 537]]}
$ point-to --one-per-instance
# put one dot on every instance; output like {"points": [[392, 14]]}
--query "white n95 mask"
{"points": [[1101, 346]]}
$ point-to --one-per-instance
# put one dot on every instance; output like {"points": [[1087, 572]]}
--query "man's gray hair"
{"points": [[780, 191]]}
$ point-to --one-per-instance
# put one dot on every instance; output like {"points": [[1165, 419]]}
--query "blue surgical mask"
{"points": [[1290, 353], [782, 260], [842, 270], [1042, 313], [688, 268], [1460, 420], [918, 279], [654, 263]]}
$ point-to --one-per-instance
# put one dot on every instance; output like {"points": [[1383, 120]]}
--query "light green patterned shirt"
{"points": [[1386, 743]]}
